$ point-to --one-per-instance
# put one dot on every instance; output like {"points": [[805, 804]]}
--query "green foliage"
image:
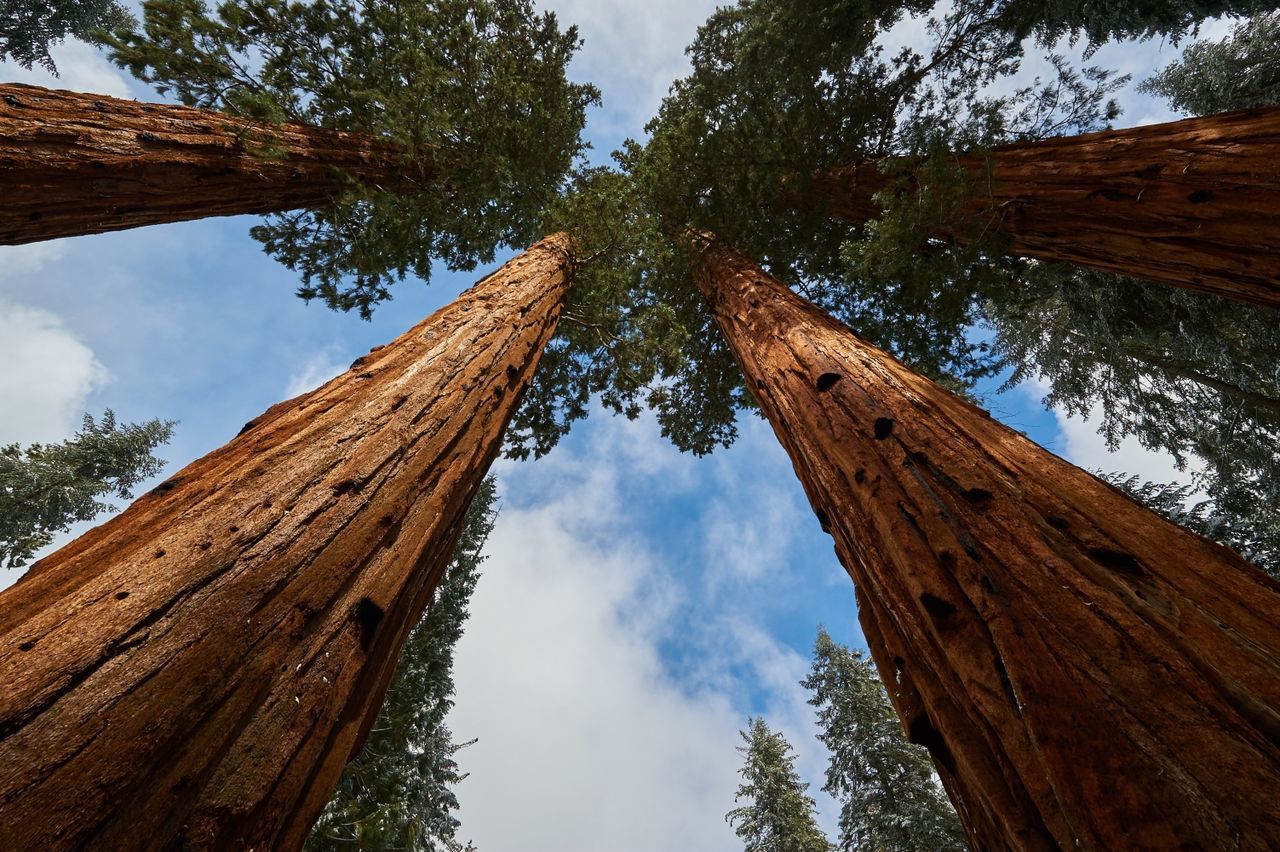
{"points": [[890, 798], [1193, 375], [779, 92], [46, 488], [396, 793], [28, 28], [1100, 22], [1240, 72], [1255, 536], [473, 90], [778, 817]]}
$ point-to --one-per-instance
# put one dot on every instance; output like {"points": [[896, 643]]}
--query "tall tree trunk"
{"points": [[73, 164], [1085, 673], [1193, 203], [196, 672]]}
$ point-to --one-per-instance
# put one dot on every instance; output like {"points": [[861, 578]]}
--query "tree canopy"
{"points": [[473, 90], [45, 488], [29, 28], [1240, 72]]}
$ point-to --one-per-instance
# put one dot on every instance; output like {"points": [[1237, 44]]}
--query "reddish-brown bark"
{"points": [[73, 164], [1085, 674], [196, 672], [1193, 203]]}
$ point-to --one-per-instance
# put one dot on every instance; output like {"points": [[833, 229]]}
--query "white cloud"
{"points": [[318, 369], [81, 68], [48, 374], [633, 52], [1084, 447], [584, 739], [590, 737]]}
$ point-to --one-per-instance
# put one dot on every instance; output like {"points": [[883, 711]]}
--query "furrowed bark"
{"points": [[196, 672], [1084, 673], [73, 164], [1193, 203]]}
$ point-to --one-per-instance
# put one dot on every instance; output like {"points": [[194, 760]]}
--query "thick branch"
{"points": [[1193, 203], [73, 164]]}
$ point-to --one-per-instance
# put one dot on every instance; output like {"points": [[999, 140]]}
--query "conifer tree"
{"points": [[777, 816], [396, 793], [45, 488], [890, 798]]}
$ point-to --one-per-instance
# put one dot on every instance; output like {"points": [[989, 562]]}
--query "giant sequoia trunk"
{"points": [[196, 672], [73, 164], [1085, 673], [1192, 203]]}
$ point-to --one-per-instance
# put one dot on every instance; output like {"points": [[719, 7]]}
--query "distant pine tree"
{"points": [[1240, 72], [891, 800], [396, 793], [46, 488], [778, 816]]}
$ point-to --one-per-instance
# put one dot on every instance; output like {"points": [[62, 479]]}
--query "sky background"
{"points": [[637, 606]]}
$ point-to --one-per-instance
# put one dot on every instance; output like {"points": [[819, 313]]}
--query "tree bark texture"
{"points": [[73, 164], [1193, 203], [1085, 673], [196, 672]]}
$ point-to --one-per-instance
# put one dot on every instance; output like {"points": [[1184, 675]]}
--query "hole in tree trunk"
{"points": [[121, 595], [1117, 561], [368, 616], [922, 732], [827, 381], [883, 427], [937, 607], [1200, 196]]}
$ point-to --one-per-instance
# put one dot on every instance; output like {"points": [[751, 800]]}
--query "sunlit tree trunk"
{"points": [[1194, 203], [1084, 673], [196, 672], [73, 164]]}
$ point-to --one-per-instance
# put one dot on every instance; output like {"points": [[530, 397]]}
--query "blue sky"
{"points": [[637, 604]]}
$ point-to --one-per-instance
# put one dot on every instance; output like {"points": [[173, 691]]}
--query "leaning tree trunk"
{"points": [[1192, 203], [196, 672], [1084, 673], [73, 164]]}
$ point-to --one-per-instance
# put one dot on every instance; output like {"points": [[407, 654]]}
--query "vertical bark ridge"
{"points": [[1192, 203], [197, 671], [1084, 673], [73, 164]]}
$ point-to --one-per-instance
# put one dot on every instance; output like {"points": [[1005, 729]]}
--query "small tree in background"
{"points": [[778, 816], [890, 797], [396, 793], [46, 488], [29, 28]]}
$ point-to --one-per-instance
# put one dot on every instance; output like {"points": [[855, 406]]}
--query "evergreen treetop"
{"points": [[778, 816]]}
